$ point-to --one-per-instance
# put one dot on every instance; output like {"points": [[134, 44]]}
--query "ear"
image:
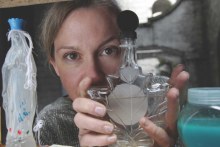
{"points": [[53, 63]]}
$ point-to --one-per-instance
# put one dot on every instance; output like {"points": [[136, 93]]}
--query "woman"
{"points": [[81, 40]]}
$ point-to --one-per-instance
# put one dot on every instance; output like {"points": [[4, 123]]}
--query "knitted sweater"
{"points": [[57, 126]]}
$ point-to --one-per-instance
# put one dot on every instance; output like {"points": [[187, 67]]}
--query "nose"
{"points": [[94, 71]]}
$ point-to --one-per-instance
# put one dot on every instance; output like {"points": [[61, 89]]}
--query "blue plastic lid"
{"points": [[16, 23], [204, 96]]}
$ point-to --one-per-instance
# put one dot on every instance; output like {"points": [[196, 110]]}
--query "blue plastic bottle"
{"points": [[199, 121]]}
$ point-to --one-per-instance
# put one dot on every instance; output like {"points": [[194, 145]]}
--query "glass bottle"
{"points": [[199, 121], [131, 95]]}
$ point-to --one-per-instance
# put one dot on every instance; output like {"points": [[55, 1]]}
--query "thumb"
{"points": [[84, 86]]}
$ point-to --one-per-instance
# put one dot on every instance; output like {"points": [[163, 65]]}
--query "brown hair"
{"points": [[57, 14]]}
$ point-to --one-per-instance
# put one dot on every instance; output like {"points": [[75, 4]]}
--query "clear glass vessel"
{"points": [[199, 121], [131, 95]]}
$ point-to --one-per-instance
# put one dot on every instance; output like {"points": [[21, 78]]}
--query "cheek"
{"points": [[70, 80], [111, 67]]}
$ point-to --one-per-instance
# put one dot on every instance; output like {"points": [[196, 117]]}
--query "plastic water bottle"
{"points": [[19, 87]]}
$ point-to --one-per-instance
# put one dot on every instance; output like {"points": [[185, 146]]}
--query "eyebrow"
{"points": [[103, 43], [108, 40], [67, 47]]}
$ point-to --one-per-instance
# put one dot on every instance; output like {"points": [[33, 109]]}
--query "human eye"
{"points": [[110, 51], [72, 56]]}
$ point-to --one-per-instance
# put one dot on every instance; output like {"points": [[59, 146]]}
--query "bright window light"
{"points": [[143, 8]]}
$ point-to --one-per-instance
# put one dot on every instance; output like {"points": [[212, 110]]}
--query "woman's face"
{"points": [[86, 46]]}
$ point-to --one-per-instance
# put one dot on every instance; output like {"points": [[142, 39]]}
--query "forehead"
{"points": [[84, 23], [90, 15]]}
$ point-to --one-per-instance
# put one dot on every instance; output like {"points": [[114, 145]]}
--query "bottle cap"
{"points": [[204, 95], [16, 23], [128, 22]]}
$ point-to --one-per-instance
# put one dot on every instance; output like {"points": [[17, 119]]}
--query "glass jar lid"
{"points": [[204, 95]]}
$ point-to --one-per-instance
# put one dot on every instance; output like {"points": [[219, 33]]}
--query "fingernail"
{"points": [[100, 111], [108, 128], [112, 138]]}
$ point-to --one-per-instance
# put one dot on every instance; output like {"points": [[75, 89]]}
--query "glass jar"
{"points": [[199, 121]]}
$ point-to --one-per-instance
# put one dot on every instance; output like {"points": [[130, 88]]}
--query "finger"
{"points": [[172, 111], [179, 68], [181, 79], [97, 140], [156, 133], [83, 86], [86, 122], [83, 132], [89, 106]]}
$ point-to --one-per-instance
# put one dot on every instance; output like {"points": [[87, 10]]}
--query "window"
{"points": [[143, 8]]}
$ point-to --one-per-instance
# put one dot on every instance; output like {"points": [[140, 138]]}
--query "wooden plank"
{"points": [[16, 3]]}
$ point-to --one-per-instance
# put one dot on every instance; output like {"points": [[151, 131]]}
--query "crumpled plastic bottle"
{"points": [[19, 87]]}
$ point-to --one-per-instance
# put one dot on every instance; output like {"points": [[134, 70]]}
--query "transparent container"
{"points": [[199, 121], [19, 87], [131, 95], [126, 103]]}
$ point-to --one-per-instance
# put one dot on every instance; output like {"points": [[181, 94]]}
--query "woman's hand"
{"points": [[93, 131], [167, 137]]}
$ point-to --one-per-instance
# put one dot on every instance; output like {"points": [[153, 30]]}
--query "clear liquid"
{"points": [[127, 104]]}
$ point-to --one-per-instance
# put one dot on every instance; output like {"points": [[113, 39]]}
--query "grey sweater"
{"points": [[58, 126]]}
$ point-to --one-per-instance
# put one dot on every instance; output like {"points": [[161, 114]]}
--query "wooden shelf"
{"points": [[17, 3]]}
